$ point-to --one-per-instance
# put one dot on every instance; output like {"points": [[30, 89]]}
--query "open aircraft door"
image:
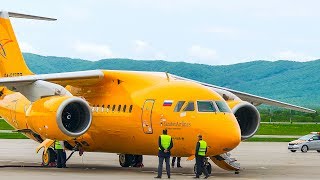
{"points": [[146, 116]]}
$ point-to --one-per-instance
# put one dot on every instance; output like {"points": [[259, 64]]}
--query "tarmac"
{"points": [[259, 160]]}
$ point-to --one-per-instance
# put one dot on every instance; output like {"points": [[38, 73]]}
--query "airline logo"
{"points": [[167, 102], [4, 42]]}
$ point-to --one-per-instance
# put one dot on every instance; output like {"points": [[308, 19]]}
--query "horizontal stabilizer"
{"points": [[4, 14]]}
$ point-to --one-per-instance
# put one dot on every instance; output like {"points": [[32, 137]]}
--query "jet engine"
{"points": [[247, 114], [248, 117], [59, 117]]}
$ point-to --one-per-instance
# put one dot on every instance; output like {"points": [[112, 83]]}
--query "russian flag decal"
{"points": [[167, 102]]}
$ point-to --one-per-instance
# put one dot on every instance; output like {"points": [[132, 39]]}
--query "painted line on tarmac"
{"points": [[276, 136]]}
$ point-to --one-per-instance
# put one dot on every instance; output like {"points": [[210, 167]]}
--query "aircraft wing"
{"points": [[253, 99], [68, 78]]}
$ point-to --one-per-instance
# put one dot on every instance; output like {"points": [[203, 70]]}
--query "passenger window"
{"points": [[223, 107], [130, 108], [206, 106], [124, 108], [179, 106], [113, 108], [108, 108], [190, 106], [97, 108], [315, 137], [102, 108], [119, 108]]}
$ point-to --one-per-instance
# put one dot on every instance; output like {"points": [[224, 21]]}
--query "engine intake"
{"points": [[74, 117], [248, 118]]}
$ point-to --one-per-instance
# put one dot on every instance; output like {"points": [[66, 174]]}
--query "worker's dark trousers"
{"points": [[167, 159], [200, 166], [61, 158], [174, 160]]}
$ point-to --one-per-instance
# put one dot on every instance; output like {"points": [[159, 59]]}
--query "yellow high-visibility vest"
{"points": [[165, 141], [202, 148], [57, 145]]}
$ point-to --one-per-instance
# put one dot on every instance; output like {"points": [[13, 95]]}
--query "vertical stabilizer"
{"points": [[11, 60]]}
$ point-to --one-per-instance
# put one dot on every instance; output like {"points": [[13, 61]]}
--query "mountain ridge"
{"points": [[288, 81]]}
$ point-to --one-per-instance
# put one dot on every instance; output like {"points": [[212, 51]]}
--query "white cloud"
{"points": [[141, 46], [202, 54], [93, 51], [26, 47], [295, 56]]}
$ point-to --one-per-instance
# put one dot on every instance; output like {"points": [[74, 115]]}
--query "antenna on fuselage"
{"points": [[168, 78]]}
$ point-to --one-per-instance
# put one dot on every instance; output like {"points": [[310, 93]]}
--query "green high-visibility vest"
{"points": [[57, 145], [165, 141], [202, 148]]}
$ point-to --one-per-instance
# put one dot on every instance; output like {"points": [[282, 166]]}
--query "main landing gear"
{"points": [[127, 160], [49, 158]]}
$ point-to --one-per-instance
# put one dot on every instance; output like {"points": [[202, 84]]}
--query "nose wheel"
{"points": [[207, 166]]}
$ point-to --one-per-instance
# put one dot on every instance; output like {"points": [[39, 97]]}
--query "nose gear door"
{"points": [[146, 116]]}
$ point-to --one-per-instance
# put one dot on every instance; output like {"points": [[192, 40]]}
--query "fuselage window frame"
{"points": [[216, 109], [187, 106], [179, 106]]}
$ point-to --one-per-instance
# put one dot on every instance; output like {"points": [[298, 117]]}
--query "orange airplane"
{"points": [[122, 112]]}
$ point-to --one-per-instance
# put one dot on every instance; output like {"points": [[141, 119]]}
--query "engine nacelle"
{"points": [[247, 114], [59, 117], [248, 117]]}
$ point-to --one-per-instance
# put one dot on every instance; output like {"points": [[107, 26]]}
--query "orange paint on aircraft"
{"points": [[128, 112]]}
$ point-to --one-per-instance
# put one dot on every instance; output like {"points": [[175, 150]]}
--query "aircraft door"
{"points": [[146, 116]]}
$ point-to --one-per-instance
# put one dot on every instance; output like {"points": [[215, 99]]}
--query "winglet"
{"points": [[6, 15]]}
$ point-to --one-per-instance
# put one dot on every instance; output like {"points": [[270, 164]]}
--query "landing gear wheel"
{"points": [[49, 157], [293, 150], [304, 148], [125, 160], [137, 161], [208, 166]]}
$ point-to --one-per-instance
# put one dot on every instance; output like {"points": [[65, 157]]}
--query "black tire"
{"points": [[293, 150], [137, 161], [318, 151], [208, 166], [125, 160], [49, 157], [304, 148]]}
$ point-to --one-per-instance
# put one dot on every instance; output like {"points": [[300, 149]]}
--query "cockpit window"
{"points": [[206, 106], [223, 107], [179, 106], [189, 107]]}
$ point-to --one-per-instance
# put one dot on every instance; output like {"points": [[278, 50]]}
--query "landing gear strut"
{"points": [[127, 160]]}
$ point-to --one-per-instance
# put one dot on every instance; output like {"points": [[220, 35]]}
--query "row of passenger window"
{"points": [[113, 108], [203, 106]]}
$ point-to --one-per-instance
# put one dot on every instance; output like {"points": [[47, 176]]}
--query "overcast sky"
{"points": [[199, 31]]}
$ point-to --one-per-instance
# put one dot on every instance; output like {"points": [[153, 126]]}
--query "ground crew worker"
{"points": [[178, 162], [61, 154], [201, 150], [165, 144]]}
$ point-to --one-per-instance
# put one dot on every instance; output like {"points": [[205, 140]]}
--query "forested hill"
{"points": [[292, 82]]}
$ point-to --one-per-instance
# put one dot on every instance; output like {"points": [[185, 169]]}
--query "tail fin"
{"points": [[11, 59]]}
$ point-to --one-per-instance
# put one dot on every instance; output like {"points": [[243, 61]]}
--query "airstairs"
{"points": [[226, 162]]}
